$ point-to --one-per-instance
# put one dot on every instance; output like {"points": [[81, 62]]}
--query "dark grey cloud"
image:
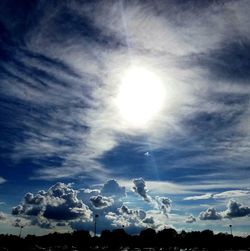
{"points": [[210, 214], [59, 203], [100, 202], [235, 209], [164, 204], [149, 220], [112, 188], [141, 214], [140, 188], [18, 222]]}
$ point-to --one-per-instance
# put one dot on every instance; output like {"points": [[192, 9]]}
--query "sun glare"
{"points": [[140, 96]]}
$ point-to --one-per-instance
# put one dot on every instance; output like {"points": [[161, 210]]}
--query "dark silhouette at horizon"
{"points": [[118, 239]]}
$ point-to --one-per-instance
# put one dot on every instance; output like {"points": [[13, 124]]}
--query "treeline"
{"points": [[113, 240]]}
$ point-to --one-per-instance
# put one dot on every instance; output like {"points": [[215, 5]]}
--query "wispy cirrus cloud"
{"points": [[222, 195], [74, 83]]}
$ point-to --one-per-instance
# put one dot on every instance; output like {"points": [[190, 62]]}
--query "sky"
{"points": [[137, 111]]}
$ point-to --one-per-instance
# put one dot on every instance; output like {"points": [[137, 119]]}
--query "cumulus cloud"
{"points": [[210, 214], [128, 218], [164, 204], [235, 209], [140, 188], [161, 203], [59, 203], [112, 188], [190, 219], [100, 202]]}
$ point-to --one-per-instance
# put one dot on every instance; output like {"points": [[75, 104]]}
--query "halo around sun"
{"points": [[141, 96]]}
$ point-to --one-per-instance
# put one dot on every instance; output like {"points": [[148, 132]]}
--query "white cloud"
{"points": [[232, 194], [2, 180], [89, 124], [59, 203], [190, 219], [210, 214], [199, 197]]}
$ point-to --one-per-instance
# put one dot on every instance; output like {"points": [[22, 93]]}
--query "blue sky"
{"points": [[134, 110]]}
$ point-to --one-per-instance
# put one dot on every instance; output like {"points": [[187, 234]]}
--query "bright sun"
{"points": [[140, 96]]}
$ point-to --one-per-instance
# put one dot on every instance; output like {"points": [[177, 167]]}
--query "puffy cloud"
{"points": [[137, 212], [90, 191], [59, 203], [128, 218], [164, 204], [210, 214], [112, 188], [235, 209], [161, 203], [140, 188], [101, 202], [190, 219], [149, 220]]}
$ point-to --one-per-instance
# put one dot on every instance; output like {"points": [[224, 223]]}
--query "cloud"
{"points": [[199, 197], [68, 123], [161, 203], [210, 214], [231, 193], [190, 219], [59, 203], [140, 188], [222, 195], [100, 202], [18, 222], [81, 125], [3, 217], [112, 188], [164, 204], [129, 218], [2, 180], [235, 209]]}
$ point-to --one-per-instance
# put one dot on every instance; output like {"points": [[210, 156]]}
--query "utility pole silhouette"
{"points": [[95, 219], [231, 230], [20, 233]]}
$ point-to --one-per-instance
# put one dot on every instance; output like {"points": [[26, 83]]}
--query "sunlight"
{"points": [[140, 97]]}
